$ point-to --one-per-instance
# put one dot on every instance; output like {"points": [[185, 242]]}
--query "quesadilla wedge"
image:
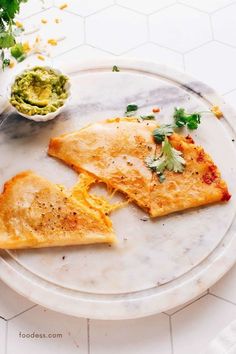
{"points": [[115, 151], [37, 213]]}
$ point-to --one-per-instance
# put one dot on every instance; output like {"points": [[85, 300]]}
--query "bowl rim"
{"points": [[40, 117]]}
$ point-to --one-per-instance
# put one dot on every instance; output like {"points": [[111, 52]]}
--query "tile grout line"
{"points": [[226, 44], [212, 27], [221, 298], [6, 337], [224, 7], [187, 305], [100, 10], [230, 91], [199, 46], [30, 308], [171, 336], [36, 13], [88, 335], [193, 8]]}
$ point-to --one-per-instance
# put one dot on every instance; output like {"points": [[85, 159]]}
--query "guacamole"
{"points": [[40, 90]]}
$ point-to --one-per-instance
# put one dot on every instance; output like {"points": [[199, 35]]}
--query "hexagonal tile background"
{"points": [[85, 7], [116, 29], [177, 27], [141, 336], [207, 5], [146, 7], [197, 36], [38, 326], [69, 31]]}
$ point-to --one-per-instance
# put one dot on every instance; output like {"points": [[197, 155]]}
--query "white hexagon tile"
{"points": [[213, 63], [85, 7], [226, 288], [199, 323], [43, 331], [116, 29], [157, 53], [207, 5], [147, 6], [12, 304], [150, 335], [230, 97], [223, 30], [82, 52], [177, 27], [193, 35], [58, 25], [35, 7]]}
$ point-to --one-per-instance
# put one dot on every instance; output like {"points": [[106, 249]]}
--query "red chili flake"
{"points": [[226, 196], [156, 110], [201, 156], [211, 175], [189, 139]]}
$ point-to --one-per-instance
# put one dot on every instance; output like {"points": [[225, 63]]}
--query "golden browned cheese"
{"points": [[115, 151], [37, 213]]}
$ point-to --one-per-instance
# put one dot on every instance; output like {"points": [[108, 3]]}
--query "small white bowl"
{"points": [[40, 117]]}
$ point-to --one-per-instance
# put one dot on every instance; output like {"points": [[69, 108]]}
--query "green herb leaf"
{"points": [[131, 109], [160, 133], [6, 40], [173, 158], [115, 69], [148, 117], [8, 11], [17, 52], [169, 158], [184, 119]]}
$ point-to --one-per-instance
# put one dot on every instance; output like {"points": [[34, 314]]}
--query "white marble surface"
{"points": [[210, 56]]}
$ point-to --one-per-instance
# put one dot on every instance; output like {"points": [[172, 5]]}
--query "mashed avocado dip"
{"points": [[40, 90]]}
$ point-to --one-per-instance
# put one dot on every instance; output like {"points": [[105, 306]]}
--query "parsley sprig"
{"points": [[8, 11]]}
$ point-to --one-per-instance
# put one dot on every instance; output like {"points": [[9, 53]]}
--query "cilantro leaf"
{"points": [[131, 109], [169, 158], [6, 40], [160, 133], [173, 158], [8, 11], [184, 119]]}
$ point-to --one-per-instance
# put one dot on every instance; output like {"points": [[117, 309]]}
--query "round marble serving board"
{"points": [[157, 264]]}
